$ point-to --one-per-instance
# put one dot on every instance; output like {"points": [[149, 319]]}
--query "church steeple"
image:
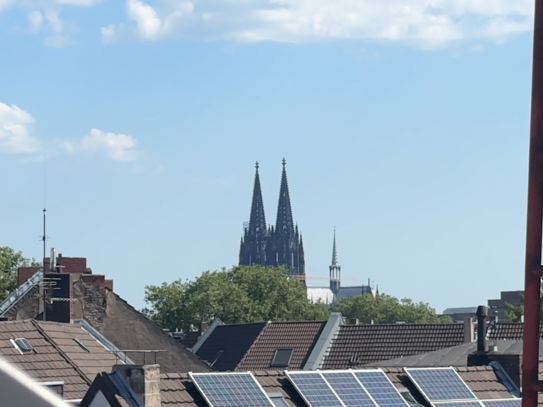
{"points": [[284, 222], [257, 219], [335, 269]]}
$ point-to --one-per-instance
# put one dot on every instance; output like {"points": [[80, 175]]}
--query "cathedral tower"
{"points": [[281, 245]]}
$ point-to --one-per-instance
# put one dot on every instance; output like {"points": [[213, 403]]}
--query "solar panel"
{"points": [[380, 388], [231, 390], [348, 389], [314, 389], [502, 403], [440, 384]]}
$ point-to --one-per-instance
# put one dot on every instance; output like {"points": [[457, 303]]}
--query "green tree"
{"points": [[387, 309], [10, 261], [241, 294]]}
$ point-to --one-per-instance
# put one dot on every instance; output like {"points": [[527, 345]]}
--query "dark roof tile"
{"points": [[374, 343]]}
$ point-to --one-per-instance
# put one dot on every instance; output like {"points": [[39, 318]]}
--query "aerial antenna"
{"points": [[44, 237]]}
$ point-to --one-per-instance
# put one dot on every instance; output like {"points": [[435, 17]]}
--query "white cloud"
{"points": [[117, 147], [36, 19], [15, 131], [421, 21]]}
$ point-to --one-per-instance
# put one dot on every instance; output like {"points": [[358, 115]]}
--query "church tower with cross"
{"points": [[279, 245]]}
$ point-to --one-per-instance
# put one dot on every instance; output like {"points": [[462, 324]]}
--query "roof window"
{"points": [[22, 345], [278, 400], [281, 357], [216, 357]]}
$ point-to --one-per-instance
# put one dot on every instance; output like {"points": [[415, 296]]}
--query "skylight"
{"points": [[23, 345], [281, 357], [216, 357]]}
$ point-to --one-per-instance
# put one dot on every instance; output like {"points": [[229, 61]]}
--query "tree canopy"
{"points": [[256, 293], [10, 261], [387, 309], [241, 294]]}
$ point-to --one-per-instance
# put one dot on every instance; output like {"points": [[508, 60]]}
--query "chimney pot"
{"points": [[469, 331], [482, 314]]}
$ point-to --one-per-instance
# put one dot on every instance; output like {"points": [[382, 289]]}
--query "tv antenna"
{"points": [[44, 237]]}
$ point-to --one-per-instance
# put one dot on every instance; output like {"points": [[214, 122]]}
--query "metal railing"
{"points": [[20, 292]]}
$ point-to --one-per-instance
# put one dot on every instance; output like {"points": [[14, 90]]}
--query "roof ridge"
{"points": [[64, 355], [297, 322], [253, 344]]}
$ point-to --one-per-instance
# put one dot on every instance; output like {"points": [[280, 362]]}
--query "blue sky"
{"points": [[404, 125]]}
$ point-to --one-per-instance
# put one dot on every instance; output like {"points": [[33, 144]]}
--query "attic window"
{"points": [[23, 345], [278, 400], [281, 358], [216, 357], [81, 345]]}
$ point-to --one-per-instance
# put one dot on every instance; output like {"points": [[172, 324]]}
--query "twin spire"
{"points": [[284, 222]]}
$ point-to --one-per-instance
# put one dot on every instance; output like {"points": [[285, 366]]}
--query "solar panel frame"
{"points": [[426, 395], [512, 402], [305, 396], [470, 403], [211, 403], [344, 399], [400, 400]]}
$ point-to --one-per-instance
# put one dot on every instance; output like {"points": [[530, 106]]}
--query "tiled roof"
{"points": [[92, 358], [366, 344], [177, 390], [56, 356], [300, 336], [46, 363], [508, 330], [234, 340]]}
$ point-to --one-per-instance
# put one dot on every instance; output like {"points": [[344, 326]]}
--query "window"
{"points": [[55, 387], [278, 400], [281, 358], [23, 345], [216, 357]]}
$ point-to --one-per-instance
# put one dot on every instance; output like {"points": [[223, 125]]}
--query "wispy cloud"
{"points": [[15, 135], [15, 138], [422, 21], [116, 147]]}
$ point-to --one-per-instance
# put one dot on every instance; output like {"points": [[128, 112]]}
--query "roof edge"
{"points": [[202, 338], [316, 357]]}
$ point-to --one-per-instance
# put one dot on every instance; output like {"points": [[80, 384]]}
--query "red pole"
{"points": [[532, 294]]}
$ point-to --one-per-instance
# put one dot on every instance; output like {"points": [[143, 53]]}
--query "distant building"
{"points": [[335, 291], [498, 308], [459, 314]]}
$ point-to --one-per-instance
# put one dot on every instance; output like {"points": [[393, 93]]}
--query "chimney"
{"points": [[144, 380], [52, 257], [469, 332], [203, 327], [481, 328]]}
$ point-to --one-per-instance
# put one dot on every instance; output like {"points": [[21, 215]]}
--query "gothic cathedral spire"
{"points": [[284, 222], [279, 246], [255, 238], [335, 269]]}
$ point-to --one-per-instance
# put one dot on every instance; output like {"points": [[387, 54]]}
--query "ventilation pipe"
{"points": [[482, 314]]}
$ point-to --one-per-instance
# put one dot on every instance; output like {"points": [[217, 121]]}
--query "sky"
{"points": [[404, 125]]}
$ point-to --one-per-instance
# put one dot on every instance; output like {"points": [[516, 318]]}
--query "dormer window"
{"points": [[22, 345]]}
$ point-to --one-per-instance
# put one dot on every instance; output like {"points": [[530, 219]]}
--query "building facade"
{"points": [[279, 245]]}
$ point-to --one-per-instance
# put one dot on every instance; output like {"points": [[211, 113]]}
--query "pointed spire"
{"points": [[284, 222], [335, 261], [257, 220]]}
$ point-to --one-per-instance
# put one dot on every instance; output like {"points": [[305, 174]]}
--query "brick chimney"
{"points": [[144, 380]]}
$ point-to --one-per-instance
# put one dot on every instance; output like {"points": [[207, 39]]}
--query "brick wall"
{"points": [[77, 265], [24, 273], [511, 363]]}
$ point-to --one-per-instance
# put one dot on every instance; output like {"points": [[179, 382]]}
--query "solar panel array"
{"points": [[347, 388], [231, 390], [440, 384]]}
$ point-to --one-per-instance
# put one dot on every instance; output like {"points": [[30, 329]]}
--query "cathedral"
{"points": [[279, 245]]}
